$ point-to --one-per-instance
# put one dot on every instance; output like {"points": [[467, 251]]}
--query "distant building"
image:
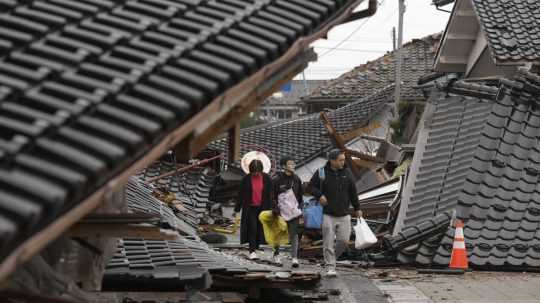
{"points": [[365, 79], [282, 105]]}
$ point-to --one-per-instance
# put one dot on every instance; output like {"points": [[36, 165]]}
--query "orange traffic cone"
{"points": [[458, 260]]}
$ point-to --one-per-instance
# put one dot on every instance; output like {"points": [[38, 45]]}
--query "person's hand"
{"points": [[358, 214], [323, 200]]}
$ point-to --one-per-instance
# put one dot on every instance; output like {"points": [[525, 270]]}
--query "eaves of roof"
{"points": [[76, 133]]}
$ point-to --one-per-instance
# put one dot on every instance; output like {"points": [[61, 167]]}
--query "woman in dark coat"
{"points": [[255, 195]]}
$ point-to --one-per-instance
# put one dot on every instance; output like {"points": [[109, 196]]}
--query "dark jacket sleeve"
{"points": [[269, 190], [315, 185], [240, 199], [353, 194], [299, 193], [275, 193]]}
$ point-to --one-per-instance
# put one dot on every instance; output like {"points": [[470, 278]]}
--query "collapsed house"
{"points": [[476, 155], [191, 190], [306, 139], [93, 91]]}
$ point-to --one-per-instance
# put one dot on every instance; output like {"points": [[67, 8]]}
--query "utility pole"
{"points": [[394, 38], [305, 82], [399, 57]]}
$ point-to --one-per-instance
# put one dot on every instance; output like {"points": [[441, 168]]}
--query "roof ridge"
{"points": [[524, 87], [470, 89], [370, 96]]}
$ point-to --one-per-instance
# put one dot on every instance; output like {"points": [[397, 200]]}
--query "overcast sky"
{"points": [[372, 38]]}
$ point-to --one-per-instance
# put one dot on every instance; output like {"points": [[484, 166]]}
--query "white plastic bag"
{"points": [[288, 205], [364, 236]]}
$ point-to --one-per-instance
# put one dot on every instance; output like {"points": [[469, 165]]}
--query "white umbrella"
{"points": [[255, 155]]}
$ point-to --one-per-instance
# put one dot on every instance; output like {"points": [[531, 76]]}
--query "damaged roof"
{"points": [[140, 264], [512, 29], [498, 197], [306, 138], [192, 188], [500, 201], [362, 81], [139, 198], [449, 131], [91, 90]]}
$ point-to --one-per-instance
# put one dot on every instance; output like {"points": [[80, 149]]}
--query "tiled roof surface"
{"points": [[139, 198], [512, 28], [498, 199], [413, 234], [87, 87], [180, 260], [446, 144], [500, 202], [192, 188], [306, 138], [418, 56]]}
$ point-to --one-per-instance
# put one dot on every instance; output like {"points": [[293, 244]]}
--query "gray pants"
{"points": [[292, 228], [336, 233]]}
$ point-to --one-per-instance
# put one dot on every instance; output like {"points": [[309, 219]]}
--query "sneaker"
{"points": [[295, 263], [331, 273], [276, 259], [253, 256]]}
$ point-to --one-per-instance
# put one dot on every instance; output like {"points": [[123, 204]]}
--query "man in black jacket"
{"points": [[334, 186]]}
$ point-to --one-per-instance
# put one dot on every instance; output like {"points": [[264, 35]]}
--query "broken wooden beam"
{"points": [[119, 230], [184, 168], [121, 218]]}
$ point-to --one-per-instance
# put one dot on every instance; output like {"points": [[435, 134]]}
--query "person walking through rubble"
{"points": [[255, 195], [285, 181], [334, 186]]}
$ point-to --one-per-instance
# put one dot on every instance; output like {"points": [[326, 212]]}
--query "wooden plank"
{"points": [[340, 143], [117, 230], [123, 218]]}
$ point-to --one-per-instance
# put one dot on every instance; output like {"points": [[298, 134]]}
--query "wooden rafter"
{"points": [[339, 143]]}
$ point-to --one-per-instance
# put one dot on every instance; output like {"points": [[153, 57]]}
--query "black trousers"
{"points": [[254, 227]]}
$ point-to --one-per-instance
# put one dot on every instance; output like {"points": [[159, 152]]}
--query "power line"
{"points": [[367, 41], [350, 35], [353, 50], [346, 38]]}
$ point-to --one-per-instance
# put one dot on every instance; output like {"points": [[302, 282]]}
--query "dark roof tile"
{"points": [[511, 29], [446, 157]]}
